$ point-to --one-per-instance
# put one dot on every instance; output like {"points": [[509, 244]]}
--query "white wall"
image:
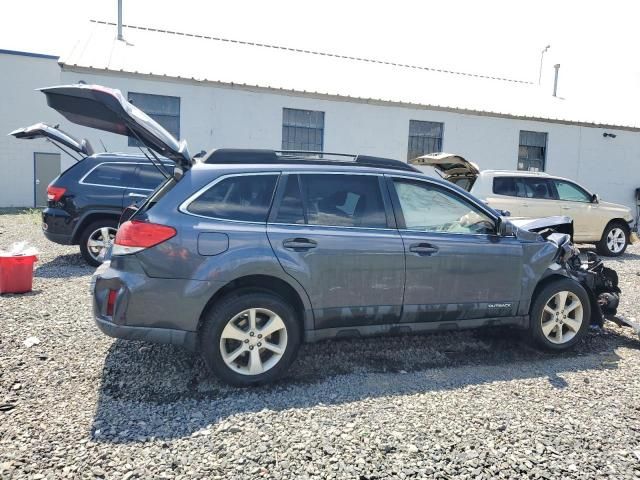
{"points": [[20, 106], [215, 116]]}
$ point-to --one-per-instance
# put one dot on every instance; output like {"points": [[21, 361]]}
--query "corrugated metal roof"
{"points": [[204, 58]]}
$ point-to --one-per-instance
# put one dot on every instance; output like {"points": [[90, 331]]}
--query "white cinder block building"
{"points": [[222, 93]]}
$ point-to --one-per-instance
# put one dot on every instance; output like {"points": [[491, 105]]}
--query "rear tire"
{"points": [[250, 338], [614, 241], [92, 242], [560, 315]]}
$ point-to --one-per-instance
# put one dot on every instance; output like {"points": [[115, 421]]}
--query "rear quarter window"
{"points": [[112, 175], [244, 198]]}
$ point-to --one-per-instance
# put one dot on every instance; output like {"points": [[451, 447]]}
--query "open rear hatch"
{"points": [[106, 109], [447, 164], [57, 136]]}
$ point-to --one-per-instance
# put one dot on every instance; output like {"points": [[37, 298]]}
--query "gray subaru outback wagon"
{"points": [[244, 254]]}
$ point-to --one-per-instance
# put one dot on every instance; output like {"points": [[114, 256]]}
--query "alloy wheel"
{"points": [[253, 341], [616, 240], [99, 241], [562, 317]]}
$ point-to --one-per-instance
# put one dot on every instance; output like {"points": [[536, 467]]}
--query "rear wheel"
{"points": [[614, 241], [250, 338], [560, 315], [96, 239]]}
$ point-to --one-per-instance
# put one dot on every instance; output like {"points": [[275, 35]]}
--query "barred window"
{"points": [[163, 109], [302, 130], [532, 152], [424, 137]]}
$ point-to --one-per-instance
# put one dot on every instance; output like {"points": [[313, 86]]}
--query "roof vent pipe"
{"points": [[120, 37], [555, 80]]}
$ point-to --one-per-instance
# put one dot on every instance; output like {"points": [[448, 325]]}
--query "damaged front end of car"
{"points": [[600, 282]]}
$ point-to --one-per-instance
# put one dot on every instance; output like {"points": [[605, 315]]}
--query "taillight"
{"points": [[54, 194], [135, 235], [111, 302]]}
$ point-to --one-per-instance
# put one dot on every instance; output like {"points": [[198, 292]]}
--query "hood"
{"points": [[106, 109], [558, 224], [42, 130], [447, 163]]}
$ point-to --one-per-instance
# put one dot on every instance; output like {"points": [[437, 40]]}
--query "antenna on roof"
{"points": [[120, 37]]}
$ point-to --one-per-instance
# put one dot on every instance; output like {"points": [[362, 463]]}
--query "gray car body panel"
{"points": [[354, 284]]}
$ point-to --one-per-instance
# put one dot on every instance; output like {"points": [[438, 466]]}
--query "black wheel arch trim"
{"points": [[88, 217]]}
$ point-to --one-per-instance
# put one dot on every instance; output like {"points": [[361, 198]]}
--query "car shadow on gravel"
{"points": [[64, 266], [163, 392]]}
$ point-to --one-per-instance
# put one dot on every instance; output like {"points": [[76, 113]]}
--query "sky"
{"points": [[596, 43]]}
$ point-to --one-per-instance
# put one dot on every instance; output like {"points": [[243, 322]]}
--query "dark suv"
{"points": [[86, 200], [244, 254]]}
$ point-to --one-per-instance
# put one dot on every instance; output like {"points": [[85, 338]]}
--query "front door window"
{"points": [[429, 208]]}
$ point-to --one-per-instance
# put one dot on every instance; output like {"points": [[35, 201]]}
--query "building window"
{"points": [[302, 129], [163, 109], [532, 152], [424, 137]]}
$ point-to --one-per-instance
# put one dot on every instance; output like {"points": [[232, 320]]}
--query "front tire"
{"points": [[560, 315], [614, 241], [250, 338], [96, 239]]}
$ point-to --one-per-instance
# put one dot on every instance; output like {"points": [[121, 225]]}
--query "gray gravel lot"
{"points": [[452, 405]]}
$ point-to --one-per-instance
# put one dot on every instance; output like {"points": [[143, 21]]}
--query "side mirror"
{"points": [[595, 198], [506, 228]]}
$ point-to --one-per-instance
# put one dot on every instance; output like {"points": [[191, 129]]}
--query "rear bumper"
{"points": [[57, 226], [157, 310], [181, 338], [61, 238]]}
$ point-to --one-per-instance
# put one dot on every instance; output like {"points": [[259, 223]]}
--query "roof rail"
{"points": [[263, 156]]}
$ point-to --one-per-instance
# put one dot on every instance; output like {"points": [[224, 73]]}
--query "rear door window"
{"points": [[245, 198], [112, 175], [291, 209], [540, 188], [343, 200], [149, 177]]}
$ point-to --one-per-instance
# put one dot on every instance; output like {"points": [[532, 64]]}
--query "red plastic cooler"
{"points": [[16, 273]]}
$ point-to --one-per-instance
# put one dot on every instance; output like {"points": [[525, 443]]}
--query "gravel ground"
{"points": [[453, 405]]}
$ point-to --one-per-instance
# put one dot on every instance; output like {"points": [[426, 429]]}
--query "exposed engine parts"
{"points": [[601, 282]]}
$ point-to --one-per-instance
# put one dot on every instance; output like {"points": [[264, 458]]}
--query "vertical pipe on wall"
{"points": [[120, 37], [555, 80]]}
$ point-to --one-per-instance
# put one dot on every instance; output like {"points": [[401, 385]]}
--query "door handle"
{"points": [[566, 208], [299, 244], [423, 249], [138, 195]]}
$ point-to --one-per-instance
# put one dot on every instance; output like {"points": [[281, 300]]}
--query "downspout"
{"points": [[120, 37], [555, 80]]}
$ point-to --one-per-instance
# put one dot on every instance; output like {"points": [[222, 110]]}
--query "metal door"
{"points": [[47, 167], [456, 267], [353, 275]]}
